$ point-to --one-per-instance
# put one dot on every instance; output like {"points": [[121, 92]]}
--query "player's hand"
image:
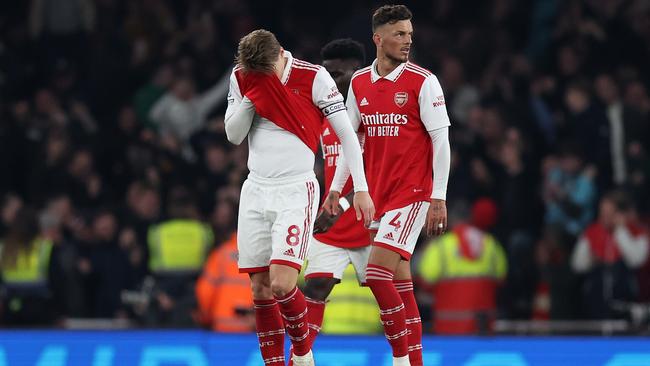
{"points": [[331, 205], [364, 207], [324, 220], [437, 217]]}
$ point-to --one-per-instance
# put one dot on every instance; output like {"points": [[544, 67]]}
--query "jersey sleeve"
{"points": [[239, 114], [433, 111], [325, 94], [234, 95], [353, 109]]}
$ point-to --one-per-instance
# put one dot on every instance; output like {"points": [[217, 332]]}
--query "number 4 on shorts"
{"points": [[396, 223]]}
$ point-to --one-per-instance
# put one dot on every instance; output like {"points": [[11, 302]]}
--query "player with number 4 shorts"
{"points": [[400, 109]]}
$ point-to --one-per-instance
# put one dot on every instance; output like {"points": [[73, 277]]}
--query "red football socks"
{"points": [[315, 311], [270, 332], [413, 321], [294, 311], [393, 318]]}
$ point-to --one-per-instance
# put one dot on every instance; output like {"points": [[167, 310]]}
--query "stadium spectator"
{"points": [[25, 267], [463, 270], [608, 252], [9, 207], [225, 302], [105, 268], [178, 248], [569, 191], [181, 112]]}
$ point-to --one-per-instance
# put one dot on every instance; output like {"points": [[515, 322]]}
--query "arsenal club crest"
{"points": [[401, 98]]}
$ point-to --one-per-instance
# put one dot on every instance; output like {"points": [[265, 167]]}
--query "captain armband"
{"points": [[333, 108]]}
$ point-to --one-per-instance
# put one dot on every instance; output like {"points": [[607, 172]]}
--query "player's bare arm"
{"points": [[344, 129], [326, 220]]}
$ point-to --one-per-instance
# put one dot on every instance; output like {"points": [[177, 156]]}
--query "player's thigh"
{"points": [[253, 230], [403, 271], [325, 260], [399, 229], [296, 207], [359, 258]]}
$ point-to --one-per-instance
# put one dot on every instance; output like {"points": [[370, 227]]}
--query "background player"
{"points": [[402, 108], [279, 102], [347, 240]]}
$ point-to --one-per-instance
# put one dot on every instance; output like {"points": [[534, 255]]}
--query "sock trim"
{"points": [[301, 338], [380, 273], [374, 267], [292, 318], [315, 327], [259, 304], [270, 333], [394, 310], [314, 301], [395, 336], [274, 359], [413, 320], [288, 297]]}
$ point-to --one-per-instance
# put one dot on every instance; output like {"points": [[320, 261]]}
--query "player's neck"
{"points": [[386, 65]]}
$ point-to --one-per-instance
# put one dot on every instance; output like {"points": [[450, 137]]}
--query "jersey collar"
{"points": [[393, 76], [287, 67]]}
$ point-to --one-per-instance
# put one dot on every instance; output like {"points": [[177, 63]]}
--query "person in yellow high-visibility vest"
{"points": [[179, 245], [24, 266], [464, 269], [178, 248]]}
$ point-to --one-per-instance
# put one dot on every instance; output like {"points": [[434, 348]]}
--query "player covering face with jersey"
{"points": [[400, 109], [279, 103]]}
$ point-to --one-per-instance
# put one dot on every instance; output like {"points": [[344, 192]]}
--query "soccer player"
{"points": [[279, 102], [347, 241], [407, 156]]}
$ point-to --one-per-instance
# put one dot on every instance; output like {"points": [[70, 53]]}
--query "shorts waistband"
{"points": [[281, 180]]}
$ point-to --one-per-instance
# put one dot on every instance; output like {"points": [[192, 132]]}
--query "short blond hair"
{"points": [[258, 51]]}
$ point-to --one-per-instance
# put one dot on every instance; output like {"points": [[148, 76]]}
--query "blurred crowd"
{"points": [[111, 126]]}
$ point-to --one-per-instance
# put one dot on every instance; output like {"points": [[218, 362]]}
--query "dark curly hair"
{"points": [[258, 51], [390, 14], [344, 49]]}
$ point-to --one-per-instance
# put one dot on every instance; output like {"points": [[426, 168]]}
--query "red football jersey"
{"points": [[347, 232], [396, 112], [297, 103]]}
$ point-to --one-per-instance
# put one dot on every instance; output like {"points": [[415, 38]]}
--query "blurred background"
{"points": [[119, 190]]}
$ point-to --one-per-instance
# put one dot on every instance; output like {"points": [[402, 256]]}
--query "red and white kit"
{"points": [[347, 241], [401, 115], [279, 200]]}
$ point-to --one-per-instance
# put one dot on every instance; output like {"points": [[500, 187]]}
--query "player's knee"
{"points": [[261, 288], [319, 288], [280, 287]]}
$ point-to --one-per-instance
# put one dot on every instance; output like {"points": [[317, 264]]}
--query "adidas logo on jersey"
{"points": [[326, 132], [389, 236], [289, 252], [364, 102]]}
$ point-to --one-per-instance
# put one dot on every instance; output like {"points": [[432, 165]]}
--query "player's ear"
{"points": [[376, 38]]}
